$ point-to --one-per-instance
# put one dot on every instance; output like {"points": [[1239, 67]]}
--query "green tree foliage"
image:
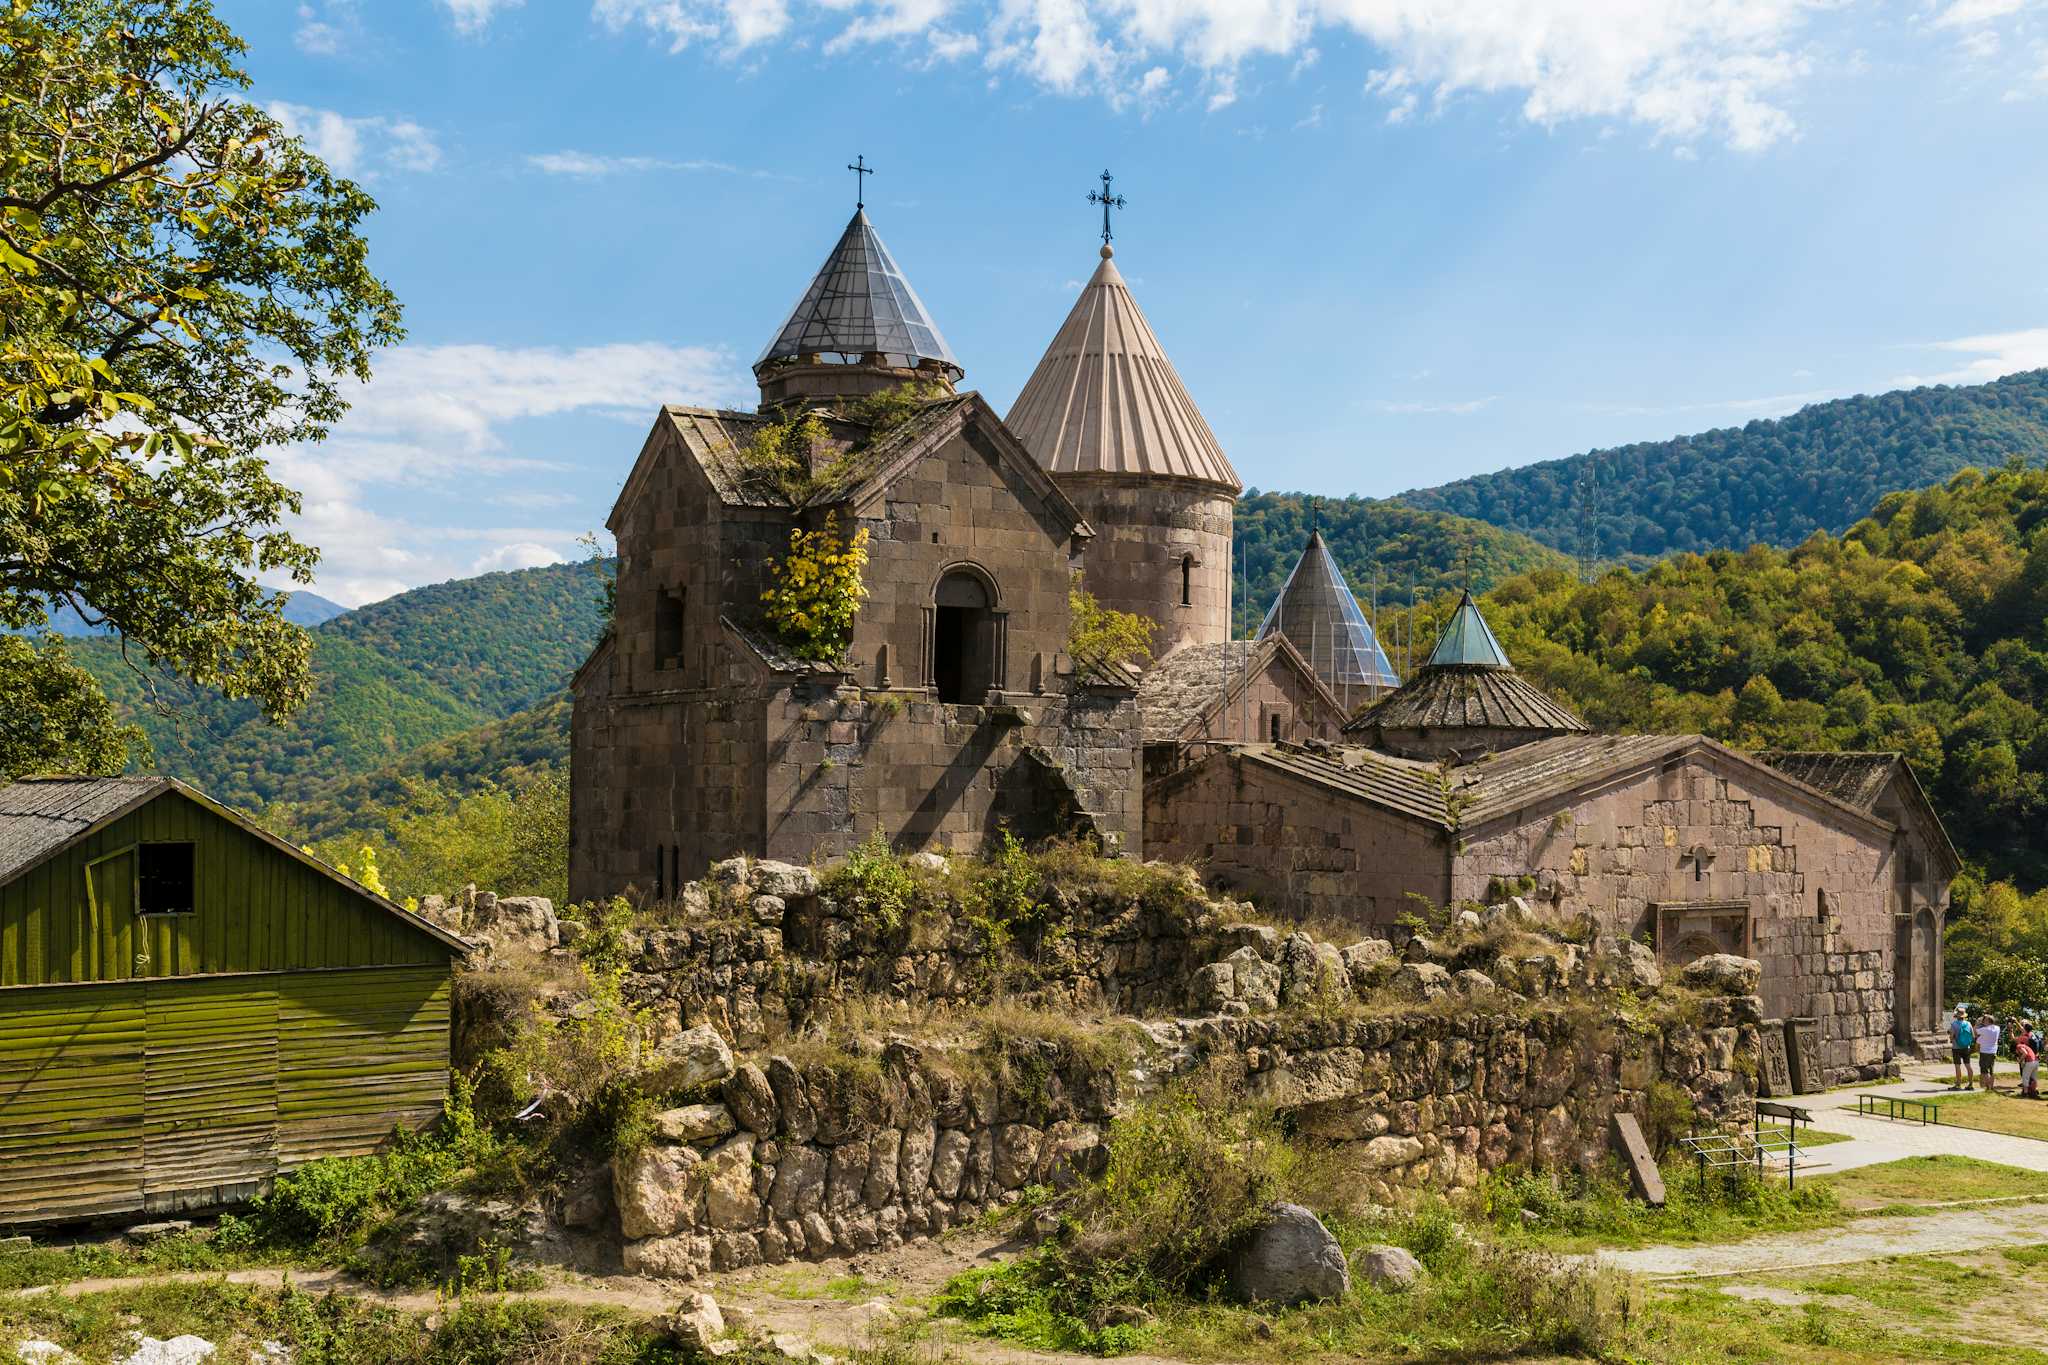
{"points": [[1104, 635], [1769, 482], [1409, 547], [419, 668], [1923, 629], [510, 839], [181, 285], [53, 718]]}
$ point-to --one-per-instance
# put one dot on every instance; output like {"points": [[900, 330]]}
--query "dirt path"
{"points": [[1867, 1239]]}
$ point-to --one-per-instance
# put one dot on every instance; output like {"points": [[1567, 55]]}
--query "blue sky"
{"points": [[1387, 242]]}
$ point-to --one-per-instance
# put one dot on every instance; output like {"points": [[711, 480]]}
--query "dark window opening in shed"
{"points": [[963, 639], [668, 628], [166, 879], [1187, 580], [1273, 723]]}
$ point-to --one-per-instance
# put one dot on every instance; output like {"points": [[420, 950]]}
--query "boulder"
{"points": [[1368, 961], [1017, 1148], [799, 1186], [1258, 981], [528, 921], [1639, 966], [1468, 921], [1471, 981], [1390, 1150], [1289, 1258], [696, 1324], [949, 1162], [667, 1258], [785, 880], [570, 932], [1215, 985], [1724, 974], [693, 1123], [653, 1190], [727, 1174], [1420, 981], [792, 1097], [144, 1233], [179, 1350], [690, 1059], [767, 909], [1393, 1269], [1262, 941], [752, 1099]]}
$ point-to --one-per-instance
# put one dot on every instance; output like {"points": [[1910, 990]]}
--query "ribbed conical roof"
{"points": [[1106, 400], [1469, 640], [1468, 684], [1317, 612], [860, 304]]}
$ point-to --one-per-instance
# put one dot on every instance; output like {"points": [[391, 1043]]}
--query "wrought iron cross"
{"points": [[1108, 201], [861, 171]]}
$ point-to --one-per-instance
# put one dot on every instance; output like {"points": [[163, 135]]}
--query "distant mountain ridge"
{"points": [[389, 677], [1768, 482], [301, 608]]}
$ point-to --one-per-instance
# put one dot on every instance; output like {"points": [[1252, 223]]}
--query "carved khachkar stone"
{"points": [[1802, 1047], [1775, 1077]]}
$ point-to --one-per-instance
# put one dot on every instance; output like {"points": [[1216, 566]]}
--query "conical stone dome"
{"points": [[1106, 400], [1318, 614], [1106, 414]]}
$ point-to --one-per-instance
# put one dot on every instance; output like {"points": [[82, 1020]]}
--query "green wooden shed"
{"points": [[190, 1005]]}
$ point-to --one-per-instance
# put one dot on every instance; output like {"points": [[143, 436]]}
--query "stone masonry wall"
{"points": [[1290, 847], [1144, 528]]}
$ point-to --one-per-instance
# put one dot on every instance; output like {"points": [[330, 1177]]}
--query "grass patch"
{"points": [[335, 1329], [1993, 1112], [1918, 1180], [1571, 1211], [1915, 1308]]}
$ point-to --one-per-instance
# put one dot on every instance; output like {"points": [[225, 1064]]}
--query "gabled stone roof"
{"points": [[1857, 778], [1181, 691], [860, 304], [1466, 795], [1106, 400]]}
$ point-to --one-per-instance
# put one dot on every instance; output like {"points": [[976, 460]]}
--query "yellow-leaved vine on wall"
{"points": [[817, 591], [1104, 635]]}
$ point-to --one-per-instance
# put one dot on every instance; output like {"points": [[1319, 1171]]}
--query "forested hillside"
{"points": [[1923, 629], [390, 677], [1770, 482], [1410, 547]]}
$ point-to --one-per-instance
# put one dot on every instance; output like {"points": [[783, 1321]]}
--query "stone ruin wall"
{"points": [[792, 1155]]}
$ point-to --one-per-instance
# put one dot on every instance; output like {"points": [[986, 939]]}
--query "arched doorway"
{"points": [[963, 638]]}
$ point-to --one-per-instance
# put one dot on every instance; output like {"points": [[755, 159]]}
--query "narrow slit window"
{"points": [[668, 629], [1187, 580], [1273, 726], [166, 881]]}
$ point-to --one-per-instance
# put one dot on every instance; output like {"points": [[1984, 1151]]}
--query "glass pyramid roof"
{"points": [[1318, 614], [1468, 640], [860, 303]]}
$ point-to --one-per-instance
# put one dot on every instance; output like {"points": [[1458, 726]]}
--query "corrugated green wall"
{"points": [[258, 910], [162, 1095]]}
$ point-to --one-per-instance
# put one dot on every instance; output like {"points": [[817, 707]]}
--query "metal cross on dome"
{"points": [[861, 171], [1108, 201]]}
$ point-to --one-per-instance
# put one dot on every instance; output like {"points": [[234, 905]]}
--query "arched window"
{"points": [[963, 638], [1187, 580]]}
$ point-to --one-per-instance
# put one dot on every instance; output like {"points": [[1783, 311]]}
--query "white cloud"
{"points": [[1686, 70], [1963, 13], [590, 165], [1992, 355], [358, 147], [328, 29], [520, 554], [1459, 408], [441, 418], [1312, 119], [472, 17]]}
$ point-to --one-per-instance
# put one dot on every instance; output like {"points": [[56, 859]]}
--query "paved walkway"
{"points": [[1875, 1140], [1866, 1239]]}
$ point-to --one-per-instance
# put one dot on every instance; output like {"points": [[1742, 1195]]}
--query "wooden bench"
{"points": [[1898, 1107]]}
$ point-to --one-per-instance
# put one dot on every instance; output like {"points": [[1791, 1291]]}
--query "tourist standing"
{"points": [[1987, 1050], [2029, 1060], [1962, 1041]]}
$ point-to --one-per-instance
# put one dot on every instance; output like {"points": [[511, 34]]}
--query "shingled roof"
{"points": [[1467, 795], [1857, 778], [1181, 691], [39, 816]]}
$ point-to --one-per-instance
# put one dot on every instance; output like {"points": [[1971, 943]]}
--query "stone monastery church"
{"points": [[1296, 768]]}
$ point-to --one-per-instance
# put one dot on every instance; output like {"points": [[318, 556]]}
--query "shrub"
{"points": [[1104, 635], [875, 883], [817, 590]]}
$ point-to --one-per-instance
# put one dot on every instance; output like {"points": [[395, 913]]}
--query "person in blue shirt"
{"points": [[1962, 1040]]}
